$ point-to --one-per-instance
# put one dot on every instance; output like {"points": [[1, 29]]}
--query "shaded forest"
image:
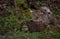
{"points": [[29, 19]]}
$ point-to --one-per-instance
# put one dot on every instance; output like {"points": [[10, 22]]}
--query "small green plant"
{"points": [[27, 15], [9, 10], [19, 2], [53, 5], [39, 35], [42, 1]]}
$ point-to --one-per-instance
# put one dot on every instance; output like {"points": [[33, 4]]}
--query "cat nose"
{"points": [[49, 12]]}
